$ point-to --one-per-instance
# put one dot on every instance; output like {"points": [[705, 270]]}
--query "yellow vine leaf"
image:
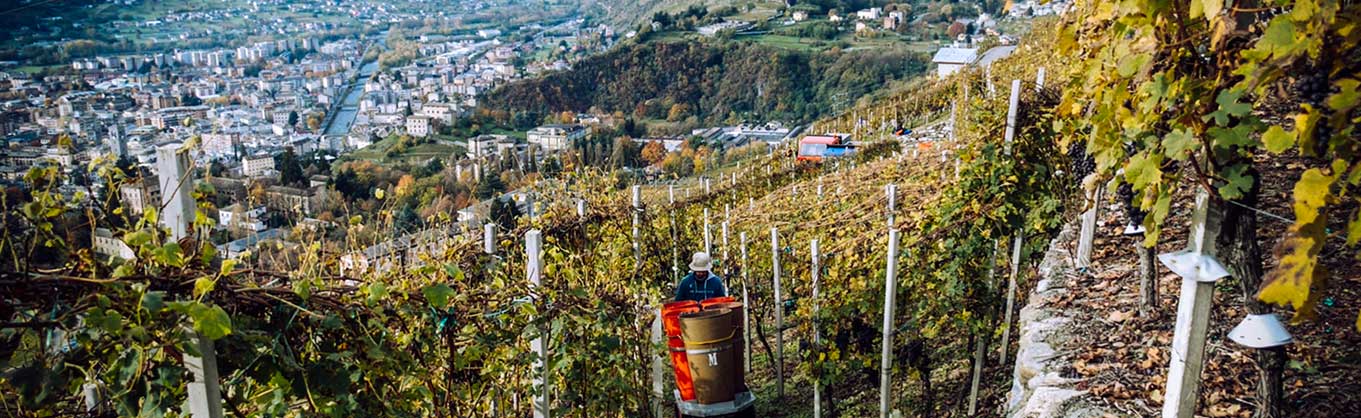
{"points": [[1299, 272]]}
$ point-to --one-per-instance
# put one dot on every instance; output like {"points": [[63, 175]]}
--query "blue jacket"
{"points": [[692, 289]]}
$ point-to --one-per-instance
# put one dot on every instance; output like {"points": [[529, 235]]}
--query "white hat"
{"points": [[701, 262]]}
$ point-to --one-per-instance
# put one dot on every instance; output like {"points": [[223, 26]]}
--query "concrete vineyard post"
{"points": [[1088, 233], [205, 394], [891, 191], [534, 271], [1199, 270], [779, 311], [746, 318], [176, 182], [179, 209], [1039, 79], [1017, 241], [489, 238], [671, 193], [1012, 104], [708, 236], [890, 295], [817, 338], [980, 341]]}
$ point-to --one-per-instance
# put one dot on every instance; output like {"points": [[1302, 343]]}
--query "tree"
{"points": [[678, 111], [955, 30], [625, 152], [654, 152], [292, 118], [290, 168], [504, 213], [489, 187]]}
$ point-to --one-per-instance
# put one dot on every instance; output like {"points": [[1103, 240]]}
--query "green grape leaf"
{"points": [[1236, 182], [453, 271], [153, 301], [1179, 144], [1143, 170], [1279, 38], [1130, 64], [1277, 140], [204, 285], [438, 295], [1347, 96], [137, 238], [1226, 138], [210, 321], [1229, 106]]}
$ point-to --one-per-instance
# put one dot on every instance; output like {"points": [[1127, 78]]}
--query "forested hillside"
{"points": [[712, 82]]}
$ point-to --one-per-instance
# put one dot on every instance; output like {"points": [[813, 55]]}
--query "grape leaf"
{"points": [[1347, 96], [210, 321], [1292, 281], [1179, 143], [1279, 38], [1211, 7], [1277, 140], [438, 295], [1236, 182], [1228, 106]]}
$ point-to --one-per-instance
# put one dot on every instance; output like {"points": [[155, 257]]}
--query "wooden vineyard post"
{"points": [[1088, 233], [1199, 270], [534, 271], [817, 339], [779, 312], [746, 302], [890, 295]]}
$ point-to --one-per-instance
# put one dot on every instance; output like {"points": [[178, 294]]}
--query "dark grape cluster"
{"points": [[1312, 87], [1080, 164]]}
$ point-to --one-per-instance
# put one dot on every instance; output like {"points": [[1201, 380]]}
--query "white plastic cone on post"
{"points": [[534, 272], [1199, 271], [890, 297]]}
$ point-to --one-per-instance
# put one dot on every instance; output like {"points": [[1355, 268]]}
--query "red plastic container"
{"points": [[681, 365], [671, 313], [716, 301]]}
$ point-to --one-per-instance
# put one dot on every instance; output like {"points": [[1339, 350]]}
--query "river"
{"points": [[349, 108]]}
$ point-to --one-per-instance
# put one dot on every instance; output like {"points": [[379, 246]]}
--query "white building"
{"points": [[950, 60], [107, 245], [869, 14], [418, 126], [235, 215], [258, 165], [555, 137]]}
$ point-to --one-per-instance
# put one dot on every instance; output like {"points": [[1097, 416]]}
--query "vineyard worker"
{"points": [[700, 284]]}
